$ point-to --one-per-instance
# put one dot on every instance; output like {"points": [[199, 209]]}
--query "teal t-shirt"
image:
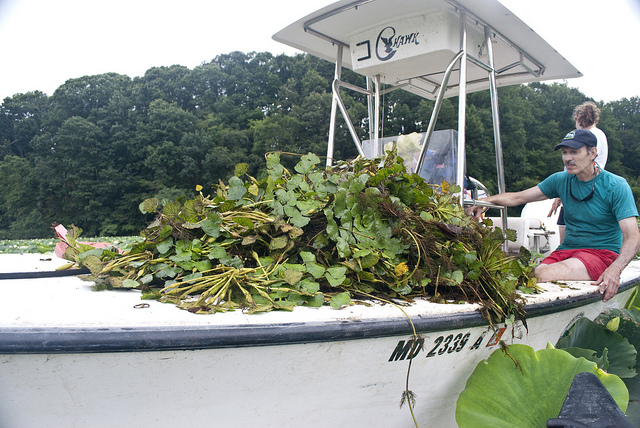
{"points": [[592, 223]]}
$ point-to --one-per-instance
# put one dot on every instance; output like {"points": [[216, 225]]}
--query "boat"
{"points": [[74, 357]]}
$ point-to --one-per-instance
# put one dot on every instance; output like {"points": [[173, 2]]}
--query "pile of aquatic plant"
{"points": [[364, 229]]}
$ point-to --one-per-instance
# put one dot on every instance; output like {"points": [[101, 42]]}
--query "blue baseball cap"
{"points": [[578, 138]]}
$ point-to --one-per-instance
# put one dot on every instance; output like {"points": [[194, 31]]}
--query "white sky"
{"points": [[45, 42]]}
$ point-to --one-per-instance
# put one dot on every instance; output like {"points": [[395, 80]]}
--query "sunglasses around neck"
{"points": [[593, 186]]}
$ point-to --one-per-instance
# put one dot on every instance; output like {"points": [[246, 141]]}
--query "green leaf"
{"points": [[164, 246], [634, 300], [332, 227], [362, 252], [292, 277], [279, 242], [130, 283], [217, 252], [309, 286], [202, 265], [172, 210], [165, 232], [236, 189], [149, 205], [307, 163], [299, 220], [168, 272], [315, 269], [146, 279], [92, 262], [500, 395], [286, 197], [183, 248], [336, 275], [243, 221], [211, 225], [307, 256], [590, 355], [316, 301], [588, 335], [340, 300], [511, 235], [273, 164], [457, 276], [295, 299], [316, 179], [193, 276]]}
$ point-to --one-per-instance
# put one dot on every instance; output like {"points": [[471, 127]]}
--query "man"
{"points": [[602, 234], [586, 116]]}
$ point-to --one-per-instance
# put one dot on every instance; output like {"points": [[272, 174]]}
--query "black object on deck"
{"points": [[589, 405], [44, 274]]}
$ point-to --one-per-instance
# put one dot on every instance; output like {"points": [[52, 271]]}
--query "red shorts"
{"points": [[596, 261]]}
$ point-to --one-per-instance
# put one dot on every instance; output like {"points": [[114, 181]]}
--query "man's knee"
{"points": [[566, 270], [543, 273]]}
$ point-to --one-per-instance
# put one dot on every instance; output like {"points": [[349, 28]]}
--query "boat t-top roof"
{"points": [[433, 48], [410, 43]]}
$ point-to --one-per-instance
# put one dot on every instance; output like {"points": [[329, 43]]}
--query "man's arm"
{"points": [[609, 281], [510, 199]]}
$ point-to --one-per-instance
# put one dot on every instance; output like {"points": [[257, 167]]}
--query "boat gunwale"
{"points": [[70, 340]]}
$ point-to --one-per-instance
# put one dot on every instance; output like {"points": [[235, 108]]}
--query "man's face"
{"points": [[579, 161]]}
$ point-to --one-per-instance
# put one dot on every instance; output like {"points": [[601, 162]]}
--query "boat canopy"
{"points": [[412, 42], [433, 48]]}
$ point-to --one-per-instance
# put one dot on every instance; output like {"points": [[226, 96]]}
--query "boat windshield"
{"points": [[440, 161]]}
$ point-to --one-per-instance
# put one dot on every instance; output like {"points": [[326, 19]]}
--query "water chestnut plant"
{"points": [[363, 229]]}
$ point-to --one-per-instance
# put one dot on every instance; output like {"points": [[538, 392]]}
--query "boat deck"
{"points": [[119, 318]]}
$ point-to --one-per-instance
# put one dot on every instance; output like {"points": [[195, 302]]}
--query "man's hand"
{"points": [[609, 282], [554, 207], [475, 211]]}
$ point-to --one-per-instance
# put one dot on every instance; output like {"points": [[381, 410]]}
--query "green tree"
{"points": [[91, 152], [21, 120], [20, 209]]}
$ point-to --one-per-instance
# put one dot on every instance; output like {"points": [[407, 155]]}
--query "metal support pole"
{"points": [[334, 106], [436, 107], [371, 111], [345, 114], [376, 117], [493, 91], [462, 104]]}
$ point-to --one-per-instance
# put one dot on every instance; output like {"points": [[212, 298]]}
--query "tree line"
{"points": [[99, 145]]}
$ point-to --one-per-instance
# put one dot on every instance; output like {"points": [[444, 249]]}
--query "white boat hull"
{"points": [[72, 357]]}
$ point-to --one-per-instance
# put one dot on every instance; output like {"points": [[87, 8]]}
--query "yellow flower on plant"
{"points": [[401, 269]]}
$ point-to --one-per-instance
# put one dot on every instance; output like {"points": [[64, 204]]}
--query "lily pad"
{"points": [[586, 334], [499, 394]]}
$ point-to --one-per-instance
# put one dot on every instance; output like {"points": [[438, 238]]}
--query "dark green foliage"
{"points": [[89, 153]]}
